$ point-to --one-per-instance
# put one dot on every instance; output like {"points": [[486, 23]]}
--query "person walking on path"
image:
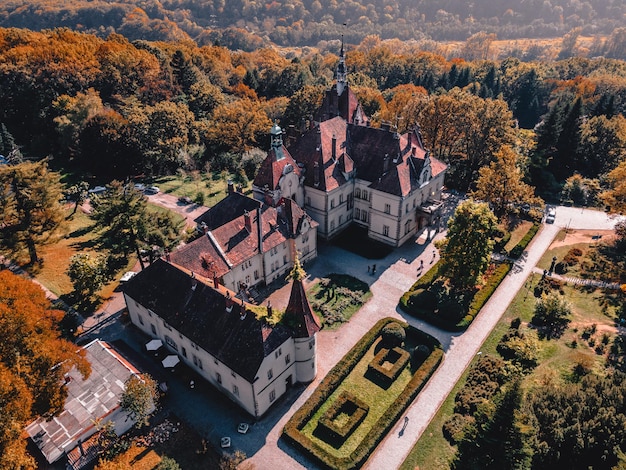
{"points": [[373, 269]]}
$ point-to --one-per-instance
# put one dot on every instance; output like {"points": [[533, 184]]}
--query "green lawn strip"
{"points": [[348, 375], [517, 234], [557, 357], [213, 186], [339, 307]]}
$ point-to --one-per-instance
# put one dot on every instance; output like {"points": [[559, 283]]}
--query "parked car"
{"points": [[185, 200], [97, 190], [140, 186], [127, 276], [151, 190], [551, 215]]}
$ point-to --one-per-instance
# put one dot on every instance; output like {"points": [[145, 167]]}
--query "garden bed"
{"points": [[362, 430], [337, 297]]}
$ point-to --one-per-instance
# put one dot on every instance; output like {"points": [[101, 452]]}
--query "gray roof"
{"points": [[87, 400]]}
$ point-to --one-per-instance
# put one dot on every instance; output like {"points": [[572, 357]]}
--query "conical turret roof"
{"points": [[299, 314]]}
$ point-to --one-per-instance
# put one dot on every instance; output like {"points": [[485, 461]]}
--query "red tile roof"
{"points": [[273, 167], [236, 241]]}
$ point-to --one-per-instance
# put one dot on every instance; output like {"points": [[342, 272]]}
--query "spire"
{"points": [[277, 135], [299, 314], [342, 74]]}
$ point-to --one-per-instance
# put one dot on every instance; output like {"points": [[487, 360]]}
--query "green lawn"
{"points": [[376, 397], [212, 186], [518, 233], [557, 358]]}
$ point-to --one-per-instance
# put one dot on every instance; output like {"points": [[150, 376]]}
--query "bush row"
{"points": [[442, 320], [397, 356], [498, 247], [484, 294], [518, 249], [292, 430]]}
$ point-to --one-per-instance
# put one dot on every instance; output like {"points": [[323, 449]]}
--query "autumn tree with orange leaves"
{"points": [[33, 360]]}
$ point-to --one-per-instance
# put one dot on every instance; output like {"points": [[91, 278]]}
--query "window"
{"points": [[308, 201], [365, 195], [387, 208], [270, 374], [413, 203], [357, 193], [248, 280], [332, 225], [357, 214], [386, 230], [364, 216], [341, 199], [167, 327], [149, 313], [233, 375], [171, 343], [340, 219], [140, 319], [153, 329], [183, 351], [272, 395], [284, 259], [407, 227], [218, 377], [406, 209], [287, 359], [305, 237], [235, 390], [332, 203], [256, 274]]}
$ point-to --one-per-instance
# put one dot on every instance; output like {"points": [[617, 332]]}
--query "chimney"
{"points": [[216, 280], [259, 229], [410, 138], [247, 220], [386, 163], [269, 309], [334, 147], [231, 187]]}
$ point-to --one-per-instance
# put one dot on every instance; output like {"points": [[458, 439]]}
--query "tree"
{"points": [[77, 193], [501, 184], [615, 196], [603, 144], [237, 125], [33, 360], [30, 211], [139, 398], [466, 250], [87, 274], [551, 314], [127, 225]]}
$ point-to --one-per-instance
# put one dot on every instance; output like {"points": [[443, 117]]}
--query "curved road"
{"points": [[397, 273]]}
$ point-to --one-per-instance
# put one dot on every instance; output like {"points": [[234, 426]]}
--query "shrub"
{"points": [[420, 353], [454, 428], [484, 294], [498, 247], [393, 335], [423, 299], [397, 357], [346, 403]]}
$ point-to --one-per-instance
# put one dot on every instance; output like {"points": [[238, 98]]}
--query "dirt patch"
{"points": [[601, 328], [584, 236]]}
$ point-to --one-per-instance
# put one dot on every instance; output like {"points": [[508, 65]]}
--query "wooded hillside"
{"points": [[247, 24]]}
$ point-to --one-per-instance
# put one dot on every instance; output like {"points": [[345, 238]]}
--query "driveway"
{"points": [[189, 211]]}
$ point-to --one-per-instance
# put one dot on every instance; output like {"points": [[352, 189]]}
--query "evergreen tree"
{"points": [[566, 160]]}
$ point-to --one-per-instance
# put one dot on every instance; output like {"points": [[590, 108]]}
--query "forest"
{"points": [[248, 24], [111, 108]]}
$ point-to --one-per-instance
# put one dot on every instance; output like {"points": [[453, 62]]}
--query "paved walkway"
{"points": [[580, 282], [397, 273]]}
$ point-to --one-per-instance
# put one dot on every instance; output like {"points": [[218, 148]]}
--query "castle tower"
{"points": [[305, 325], [342, 73]]}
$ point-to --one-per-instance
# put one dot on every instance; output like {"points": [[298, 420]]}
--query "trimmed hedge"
{"points": [[518, 249], [292, 430], [398, 357], [484, 294], [479, 299], [349, 404]]}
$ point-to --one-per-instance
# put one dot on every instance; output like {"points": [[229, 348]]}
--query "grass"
{"points": [[213, 186], [376, 397], [337, 299], [557, 358], [517, 234]]}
